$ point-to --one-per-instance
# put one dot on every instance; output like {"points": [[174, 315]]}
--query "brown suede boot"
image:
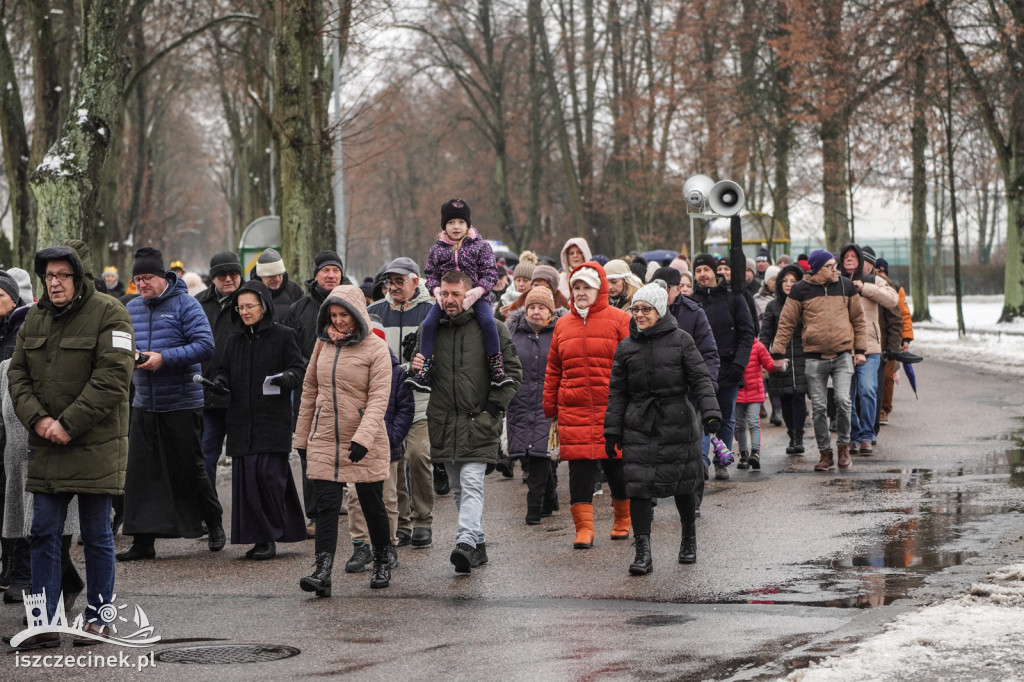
{"points": [[844, 457], [825, 463], [620, 527], [583, 517]]}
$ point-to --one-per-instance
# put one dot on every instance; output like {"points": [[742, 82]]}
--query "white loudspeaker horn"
{"points": [[726, 198], [696, 190]]}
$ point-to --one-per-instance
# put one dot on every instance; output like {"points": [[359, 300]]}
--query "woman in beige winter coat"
{"points": [[341, 430]]}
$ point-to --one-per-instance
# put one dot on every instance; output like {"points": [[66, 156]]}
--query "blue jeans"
{"points": [[49, 513], [818, 371], [215, 427], [865, 396], [467, 481]]}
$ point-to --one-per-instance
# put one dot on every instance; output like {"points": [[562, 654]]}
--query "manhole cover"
{"points": [[658, 620], [227, 653]]}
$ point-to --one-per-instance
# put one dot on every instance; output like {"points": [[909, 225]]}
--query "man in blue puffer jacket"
{"points": [[167, 492]]}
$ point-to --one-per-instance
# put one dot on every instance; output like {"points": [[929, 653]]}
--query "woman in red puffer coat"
{"points": [[576, 394]]}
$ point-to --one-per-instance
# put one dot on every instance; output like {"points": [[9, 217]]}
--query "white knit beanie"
{"points": [[654, 293]]}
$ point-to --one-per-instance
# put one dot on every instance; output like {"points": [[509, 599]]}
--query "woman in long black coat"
{"points": [[658, 376], [265, 504], [790, 385]]}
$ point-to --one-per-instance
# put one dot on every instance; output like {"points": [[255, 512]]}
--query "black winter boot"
{"points": [[688, 514], [688, 547], [755, 460], [420, 379], [642, 563], [320, 580], [497, 365], [744, 460], [791, 448], [381, 576], [361, 557], [798, 442]]}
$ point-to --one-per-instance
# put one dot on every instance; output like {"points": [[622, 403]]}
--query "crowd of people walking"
{"points": [[413, 386]]}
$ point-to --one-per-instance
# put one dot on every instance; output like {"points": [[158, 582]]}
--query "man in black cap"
{"points": [[328, 273], [216, 300], [167, 492], [734, 332], [404, 307]]}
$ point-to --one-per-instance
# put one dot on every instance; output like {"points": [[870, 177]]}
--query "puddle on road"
{"points": [[949, 516]]}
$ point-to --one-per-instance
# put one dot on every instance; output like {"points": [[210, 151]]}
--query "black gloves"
{"points": [[712, 425], [492, 409], [284, 381], [356, 452], [220, 386], [731, 374], [410, 345], [609, 448]]}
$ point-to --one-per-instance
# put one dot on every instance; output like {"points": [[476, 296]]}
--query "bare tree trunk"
{"points": [[66, 183], [919, 190], [573, 181], [535, 121], [49, 81], [16, 161], [307, 210], [834, 181]]}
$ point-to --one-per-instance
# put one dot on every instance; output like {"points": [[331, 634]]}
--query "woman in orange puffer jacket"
{"points": [[576, 394]]}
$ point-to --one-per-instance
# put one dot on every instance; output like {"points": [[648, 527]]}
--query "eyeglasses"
{"points": [[247, 308], [396, 283], [143, 279], [641, 309], [58, 276]]}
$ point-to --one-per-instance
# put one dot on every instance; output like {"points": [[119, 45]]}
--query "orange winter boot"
{"points": [[620, 528], [583, 517]]}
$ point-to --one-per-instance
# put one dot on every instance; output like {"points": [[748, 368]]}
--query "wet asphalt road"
{"points": [[792, 565]]}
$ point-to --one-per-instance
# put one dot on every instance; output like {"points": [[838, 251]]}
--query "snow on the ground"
{"points": [[975, 636], [988, 345]]}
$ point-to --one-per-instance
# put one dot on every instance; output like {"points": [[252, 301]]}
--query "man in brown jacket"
{"points": [[834, 338]]}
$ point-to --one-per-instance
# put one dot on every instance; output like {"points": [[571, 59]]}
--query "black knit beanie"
{"points": [[148, 261], [455, 208], [326, 258], [704, 259], [224, 263]]}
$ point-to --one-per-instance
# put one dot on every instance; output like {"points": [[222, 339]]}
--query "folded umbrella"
{"points": [[908, 369]]}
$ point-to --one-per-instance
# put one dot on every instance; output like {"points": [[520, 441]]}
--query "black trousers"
{"points": [[794, 410], [328, 496], [641, 512], [584, 475], [541, 480]]}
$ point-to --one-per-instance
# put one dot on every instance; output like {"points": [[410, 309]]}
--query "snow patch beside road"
{"points": [[973, 637]]}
